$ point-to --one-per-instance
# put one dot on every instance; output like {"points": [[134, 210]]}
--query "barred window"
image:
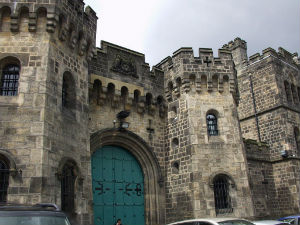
{"points": [[222, 197], [212, 125], [67, 188], [4, 177], [10, 80]]}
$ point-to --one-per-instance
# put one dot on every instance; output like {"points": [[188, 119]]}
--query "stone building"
{"points": [[97, 132], [269, 111]]}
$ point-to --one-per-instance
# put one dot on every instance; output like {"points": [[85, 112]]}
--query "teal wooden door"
{"points": [[118, 187]]}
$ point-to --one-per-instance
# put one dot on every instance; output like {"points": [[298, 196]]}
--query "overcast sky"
{"points": [[157, 28]]}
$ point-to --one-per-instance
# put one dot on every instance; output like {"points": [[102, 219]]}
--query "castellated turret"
{"points": [[45, 47], [238, 48], [205, 154]]}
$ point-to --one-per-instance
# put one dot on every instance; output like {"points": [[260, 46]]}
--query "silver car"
{"points": [[269, 222], [214, 221]]}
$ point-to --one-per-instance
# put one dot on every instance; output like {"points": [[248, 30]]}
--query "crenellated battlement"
{"points": [[67, 20], [206, 58], [236, 43], [281, 54], [204, 74]]}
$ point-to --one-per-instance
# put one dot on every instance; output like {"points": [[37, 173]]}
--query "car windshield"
{"points": [[33, 220], [235, 222]]}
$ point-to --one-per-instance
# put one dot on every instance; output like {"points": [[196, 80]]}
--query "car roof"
{"points": [[212, 220], [41, 209], [31, 213], [289, 217], [268, 222]]}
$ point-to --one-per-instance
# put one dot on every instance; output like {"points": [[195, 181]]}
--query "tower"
{"points": [[206, 168], [269, 111], [44, 54]]}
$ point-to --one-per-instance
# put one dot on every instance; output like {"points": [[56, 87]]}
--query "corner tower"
{"points": [[44, 54], [269, 111], [206, 171]]}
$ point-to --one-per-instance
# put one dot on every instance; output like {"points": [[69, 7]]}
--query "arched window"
{"points": [[4, 177], [212, 124], [215, 80], [68, 188], [97, 87], [10, 79], [137, 95], [5, 19], [221, 193], [68, 91], [124, 95]]}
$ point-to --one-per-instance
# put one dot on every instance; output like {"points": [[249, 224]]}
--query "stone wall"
{"points": [[269, 111], [273, 183], [196, 86], [120, 80], [39, 133]]}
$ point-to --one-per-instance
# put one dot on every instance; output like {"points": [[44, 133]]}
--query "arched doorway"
{"points": [[153, 190], [118, 187]]}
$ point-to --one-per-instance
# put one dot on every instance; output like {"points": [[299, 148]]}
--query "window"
{"points": [[4, 177], [221, 192], [212, 124], [137, 95], [67, 188], [68, 91], [10, 80]]}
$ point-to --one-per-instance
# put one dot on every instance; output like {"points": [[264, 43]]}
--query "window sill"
{"points": [[11, 100]]}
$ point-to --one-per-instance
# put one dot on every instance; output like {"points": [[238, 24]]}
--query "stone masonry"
{"points": [[269, 111], [196, 86], [69, 93]]}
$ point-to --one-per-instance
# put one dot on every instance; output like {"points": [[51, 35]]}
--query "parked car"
{"points": [[39, 214], [214, 221], [295, 219], [269, 222]]}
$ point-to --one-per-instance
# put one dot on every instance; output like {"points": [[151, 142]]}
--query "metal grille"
{"points": [[4, 176], [212, 125], [222, 198], [67, 189], [10, 80]]}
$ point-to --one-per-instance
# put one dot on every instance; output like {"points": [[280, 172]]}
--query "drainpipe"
{"points": [[254, 106]]}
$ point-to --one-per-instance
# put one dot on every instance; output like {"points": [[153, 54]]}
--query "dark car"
{"points": [[295, 219], [39, 214]]}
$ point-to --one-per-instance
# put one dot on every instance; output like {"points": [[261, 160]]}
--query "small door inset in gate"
{"points": [[118, 187]]}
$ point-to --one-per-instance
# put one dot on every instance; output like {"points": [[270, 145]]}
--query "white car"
{"points": [[214, 221], [269, 222]]}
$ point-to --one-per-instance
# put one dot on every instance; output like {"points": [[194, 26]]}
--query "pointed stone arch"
{"points": [[153, 179]]}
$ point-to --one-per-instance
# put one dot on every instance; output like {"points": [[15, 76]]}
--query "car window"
{"points": [[203, 223], [33, 220], [188, 223], [235, 222]]}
